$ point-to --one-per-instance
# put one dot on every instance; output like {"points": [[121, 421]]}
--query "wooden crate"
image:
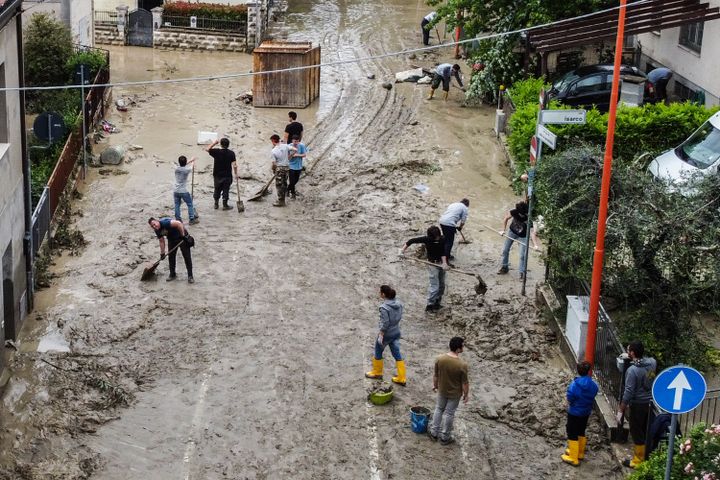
{"points": [[296, 88]]}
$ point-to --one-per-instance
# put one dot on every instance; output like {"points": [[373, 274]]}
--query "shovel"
{"points": [[513, 239], [619, 434], [240, 204], [149, 272], [192, 192], [263, 191], [480, 288], [464, 240]]}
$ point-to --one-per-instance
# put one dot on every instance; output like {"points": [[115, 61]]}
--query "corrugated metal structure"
{"points": [[296, 88]]}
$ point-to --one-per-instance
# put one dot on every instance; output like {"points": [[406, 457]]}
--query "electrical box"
{"points": [[576, 324]]}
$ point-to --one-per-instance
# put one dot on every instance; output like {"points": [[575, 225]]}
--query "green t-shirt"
{"points": [[452, 374]]}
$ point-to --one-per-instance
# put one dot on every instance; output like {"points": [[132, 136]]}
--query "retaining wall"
{"points": [[192, 39], [108, 35]]}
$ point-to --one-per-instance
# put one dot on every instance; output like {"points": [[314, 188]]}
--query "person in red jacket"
{"points": [[580, 396]]}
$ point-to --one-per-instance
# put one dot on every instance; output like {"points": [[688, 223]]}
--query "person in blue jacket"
{"points": [[580, 396]]}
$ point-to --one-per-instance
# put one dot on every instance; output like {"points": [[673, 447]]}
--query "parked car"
{"points": [[698, 155], [591, 86]]}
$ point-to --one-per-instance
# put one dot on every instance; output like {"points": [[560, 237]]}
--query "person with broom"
{"points": [[391, 312], [176, 235]]}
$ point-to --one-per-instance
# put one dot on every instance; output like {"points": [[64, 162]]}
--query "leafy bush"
{"points": [[93, 59], [526, 92], [696, 457], [48, 47], [206, 10]]}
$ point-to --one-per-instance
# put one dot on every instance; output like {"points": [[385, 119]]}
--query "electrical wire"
{"points": [[327, 64]]}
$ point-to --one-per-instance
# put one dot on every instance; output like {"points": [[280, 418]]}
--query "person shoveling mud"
{"points": [[435, 248], [178, 237], [443, 73], [452, 221]]}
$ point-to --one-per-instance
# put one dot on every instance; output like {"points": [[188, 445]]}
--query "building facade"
{"points": [[76, 14], [691, 53], [14, 178]]}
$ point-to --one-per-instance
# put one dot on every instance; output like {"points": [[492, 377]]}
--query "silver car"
{"points": [[698, 155]]}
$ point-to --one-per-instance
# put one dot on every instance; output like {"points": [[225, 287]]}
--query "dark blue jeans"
{"points": [[394, 344], [449, 234]]}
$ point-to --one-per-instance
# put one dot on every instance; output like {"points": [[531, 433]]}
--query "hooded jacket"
{"points": [[638, 381], [390, 315], [580, 395]]}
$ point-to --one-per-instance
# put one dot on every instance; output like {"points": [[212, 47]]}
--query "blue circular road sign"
{"points": [[679, 389]]}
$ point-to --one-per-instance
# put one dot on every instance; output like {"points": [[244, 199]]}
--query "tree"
{"points": [[503, 63], [48, 47]]}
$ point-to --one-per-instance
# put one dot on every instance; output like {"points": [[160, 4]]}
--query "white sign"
{"points": [[547, 137], [562, 116]]}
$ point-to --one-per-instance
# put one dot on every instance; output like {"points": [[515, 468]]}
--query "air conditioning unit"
{"points": [[576, 324]]}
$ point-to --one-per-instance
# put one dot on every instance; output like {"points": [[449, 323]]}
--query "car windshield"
{"points": [[702, 149], [564, 81]]}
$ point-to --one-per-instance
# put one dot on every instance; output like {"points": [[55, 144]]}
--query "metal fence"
{"points": [[235, 26], [106, 17], [41, 221]]}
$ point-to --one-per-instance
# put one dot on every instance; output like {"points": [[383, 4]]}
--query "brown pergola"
{"points": [[644, 17]]}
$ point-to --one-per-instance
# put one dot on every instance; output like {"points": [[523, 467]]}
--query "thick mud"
{"points": [[256, 370]]}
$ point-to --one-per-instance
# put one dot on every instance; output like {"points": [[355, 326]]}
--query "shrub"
{"points": [[526, 92], [206, 10], [696, 456], [93, 59], [48, 47]]}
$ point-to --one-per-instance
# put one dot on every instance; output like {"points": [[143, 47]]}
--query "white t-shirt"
{"points": [[280, 154], [454, 214], [181, 178]]}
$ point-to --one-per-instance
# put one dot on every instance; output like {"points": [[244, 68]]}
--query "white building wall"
{"points": [[111, 5], [76, 14], [692, 69], [12, 218]]}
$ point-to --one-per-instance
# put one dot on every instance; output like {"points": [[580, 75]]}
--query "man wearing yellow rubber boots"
{"points": [[443, 73], [638, 396]]}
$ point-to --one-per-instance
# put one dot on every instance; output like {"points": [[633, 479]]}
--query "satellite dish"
{"points": [[49, 126]]}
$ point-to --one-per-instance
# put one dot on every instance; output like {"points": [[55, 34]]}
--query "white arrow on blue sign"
{"points": [[679, 389]]}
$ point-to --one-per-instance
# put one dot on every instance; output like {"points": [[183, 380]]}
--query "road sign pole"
{"points": [[84, 132], [671, 446]]}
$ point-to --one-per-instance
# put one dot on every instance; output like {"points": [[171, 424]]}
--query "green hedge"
{"points": [[206, 10]]}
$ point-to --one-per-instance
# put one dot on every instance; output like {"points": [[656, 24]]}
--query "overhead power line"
{"points": [[326, 64]]}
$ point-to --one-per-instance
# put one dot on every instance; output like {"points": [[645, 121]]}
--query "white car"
{"points": [[698, 155]]}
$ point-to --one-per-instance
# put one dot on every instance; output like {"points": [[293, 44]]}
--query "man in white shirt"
{"points": [[424, 26], [280, 156], [451, 221], [180, 192]]}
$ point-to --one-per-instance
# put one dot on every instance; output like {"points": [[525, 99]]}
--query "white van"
{"points": [[699, 154]]}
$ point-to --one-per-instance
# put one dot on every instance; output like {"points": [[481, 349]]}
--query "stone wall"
{"points": [[108, 35], [196, 39]]}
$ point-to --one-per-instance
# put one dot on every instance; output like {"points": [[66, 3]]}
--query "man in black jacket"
{"points": [[435, 247]]}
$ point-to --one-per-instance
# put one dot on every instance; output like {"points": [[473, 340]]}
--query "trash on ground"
{"points": [[409, 75], [422, 188], [426, 80], [112, 155], [134, 147], [387, 85], [108, 127], [246, 97]]}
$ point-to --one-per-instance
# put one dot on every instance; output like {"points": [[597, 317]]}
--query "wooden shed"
{"points": [[296, 88]]}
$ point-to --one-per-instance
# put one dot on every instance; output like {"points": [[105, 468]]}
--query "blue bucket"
{"points": [[419, 417]]}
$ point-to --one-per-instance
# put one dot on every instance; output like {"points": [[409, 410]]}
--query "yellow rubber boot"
{"points": [[582, 441], [377, 369], [445, 95], [432, 93], [572, 458], [638, 457], [400, 379]]}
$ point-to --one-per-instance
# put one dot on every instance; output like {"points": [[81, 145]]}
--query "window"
{"points": [[683, 92], [588, 85], [3, 107], [691, 35]]}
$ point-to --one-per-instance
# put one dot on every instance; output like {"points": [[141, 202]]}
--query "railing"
{"points": [[103, 17], [708, 412], [41, 221], [236, 26]]}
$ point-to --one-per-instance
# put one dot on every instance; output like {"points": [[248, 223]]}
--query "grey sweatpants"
{"points": [[443, 417]]}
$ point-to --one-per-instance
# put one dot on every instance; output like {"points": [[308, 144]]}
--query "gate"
{"points": [[140, 28]]}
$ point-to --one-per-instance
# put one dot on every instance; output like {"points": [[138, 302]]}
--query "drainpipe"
{"points": [[27, 241]]}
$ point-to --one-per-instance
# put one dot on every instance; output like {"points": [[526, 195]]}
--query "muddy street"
{"points": [[256, 370]]}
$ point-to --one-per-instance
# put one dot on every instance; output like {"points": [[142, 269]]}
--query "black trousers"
{"points": [[222, 186], [293, 177], [661, 89], [576, 426], [449, 234], [425, 32], [172, 258], [641, 416]]}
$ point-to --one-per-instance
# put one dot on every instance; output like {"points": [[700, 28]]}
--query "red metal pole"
{"points": [[457, 34], [604, 194]]}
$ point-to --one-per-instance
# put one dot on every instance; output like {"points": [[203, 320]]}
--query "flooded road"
{"points": [[256, 370]]}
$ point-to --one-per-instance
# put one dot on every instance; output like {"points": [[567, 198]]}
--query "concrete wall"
{"points": [[193, 39], [76, 14], [692, 69], [111, 5], [109, 35], [12, 214]]}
